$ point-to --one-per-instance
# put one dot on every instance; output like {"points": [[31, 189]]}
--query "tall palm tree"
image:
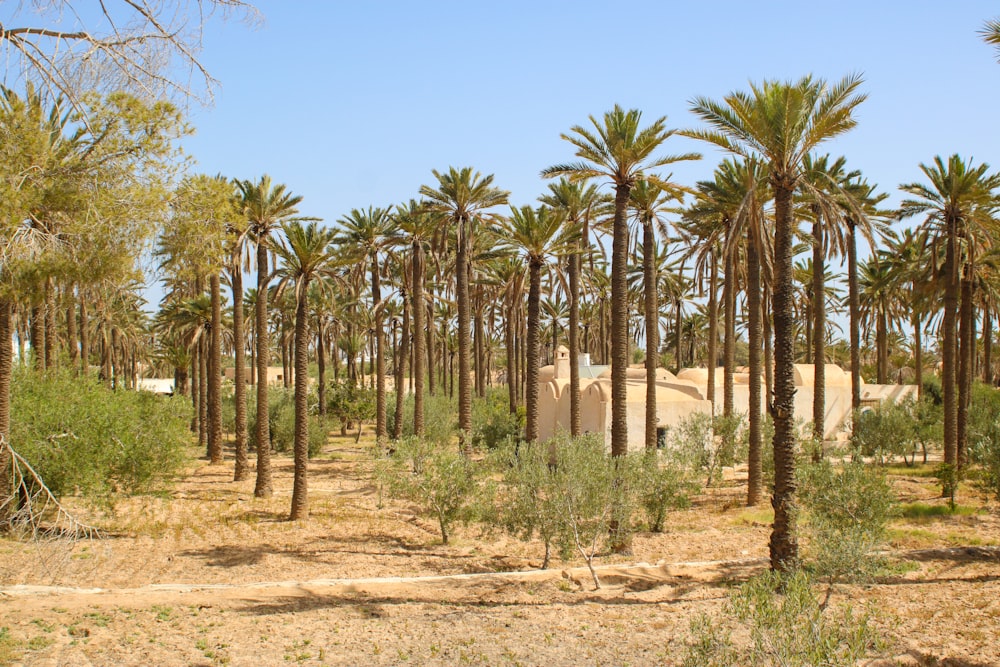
{"points": [[265, 205], [780, 123], [462, 197], [579, 202], [649, 200], [417, 227], [618, 150], [539, 234], [305, 252], [959, 203], [367, 234]]}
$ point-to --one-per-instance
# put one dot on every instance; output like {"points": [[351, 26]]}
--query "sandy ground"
{"points": [[209, 575]]}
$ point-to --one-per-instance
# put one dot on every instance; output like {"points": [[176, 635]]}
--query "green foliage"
{"points": [[847, 511], [84, 438], [440, 417], [663, 483], [984, 437], [596, 493], [528, 503], [443, 483], [492, 422], [349, 402], [949, 477], [897, 430], [786, 624], [281, 422]]}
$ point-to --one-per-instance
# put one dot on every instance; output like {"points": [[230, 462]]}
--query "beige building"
{"points": [[275, 374], [678, 397]]}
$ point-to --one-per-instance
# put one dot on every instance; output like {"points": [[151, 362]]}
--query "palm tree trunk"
{"points": [[819, 340], [754, 459], [713, 329], [300, 488], [575, 427], [619, 323], [419, 342], [966, 355], [195, 389], [404, 352], [84, 336], [531, 399], [854, 300], [987, 374], [321, 366], [262, 433], [729, 342], [464, 316], [381, 429], [38, 336], [918, 352], [429, 342], [50, 324], [241, 467], [511, 361], [678, 325], [215, 373], [882, 345], [783, 543], [203, 426], [6, 371], [71, 342], [480, 345], [652, 332], [765, 309]]}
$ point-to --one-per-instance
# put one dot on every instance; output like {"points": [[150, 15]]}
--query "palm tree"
{"points": [[306, 252], [417, 226], [461, 198], [367, 234], [539, 234], [649, 200], [780, 123], [265, 205], [991, 34], [959, 203], [618, 150], [731, 213], [578, 201]]}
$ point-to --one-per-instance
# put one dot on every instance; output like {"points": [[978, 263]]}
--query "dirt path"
{"points": [[211, 576]]}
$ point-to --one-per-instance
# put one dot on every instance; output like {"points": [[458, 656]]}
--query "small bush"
{"points": [[493, 424], [889, 431], [786, 625], [444, 483], [350, 403], [528, 502], [440, 417], [663, 484], [81, 437], [847, 511]]}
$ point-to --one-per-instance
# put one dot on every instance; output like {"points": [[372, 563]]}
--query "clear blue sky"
{"points": [[352, 104]]}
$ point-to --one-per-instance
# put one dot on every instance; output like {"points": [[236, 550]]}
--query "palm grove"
{"points": [[458, 290]]}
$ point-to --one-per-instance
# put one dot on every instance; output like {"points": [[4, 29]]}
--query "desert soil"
{"points": [[210, 575]]}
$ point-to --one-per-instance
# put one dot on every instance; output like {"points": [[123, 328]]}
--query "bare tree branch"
{"points": [[149, 47]]}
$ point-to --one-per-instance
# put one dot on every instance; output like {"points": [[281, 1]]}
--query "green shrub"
{"points": [[440, 417], [350, 403], [493, 424], [663, 483], [444, 483], [847, 511], [81, 437], [785, 624], [597, 495], [528, 502]]}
